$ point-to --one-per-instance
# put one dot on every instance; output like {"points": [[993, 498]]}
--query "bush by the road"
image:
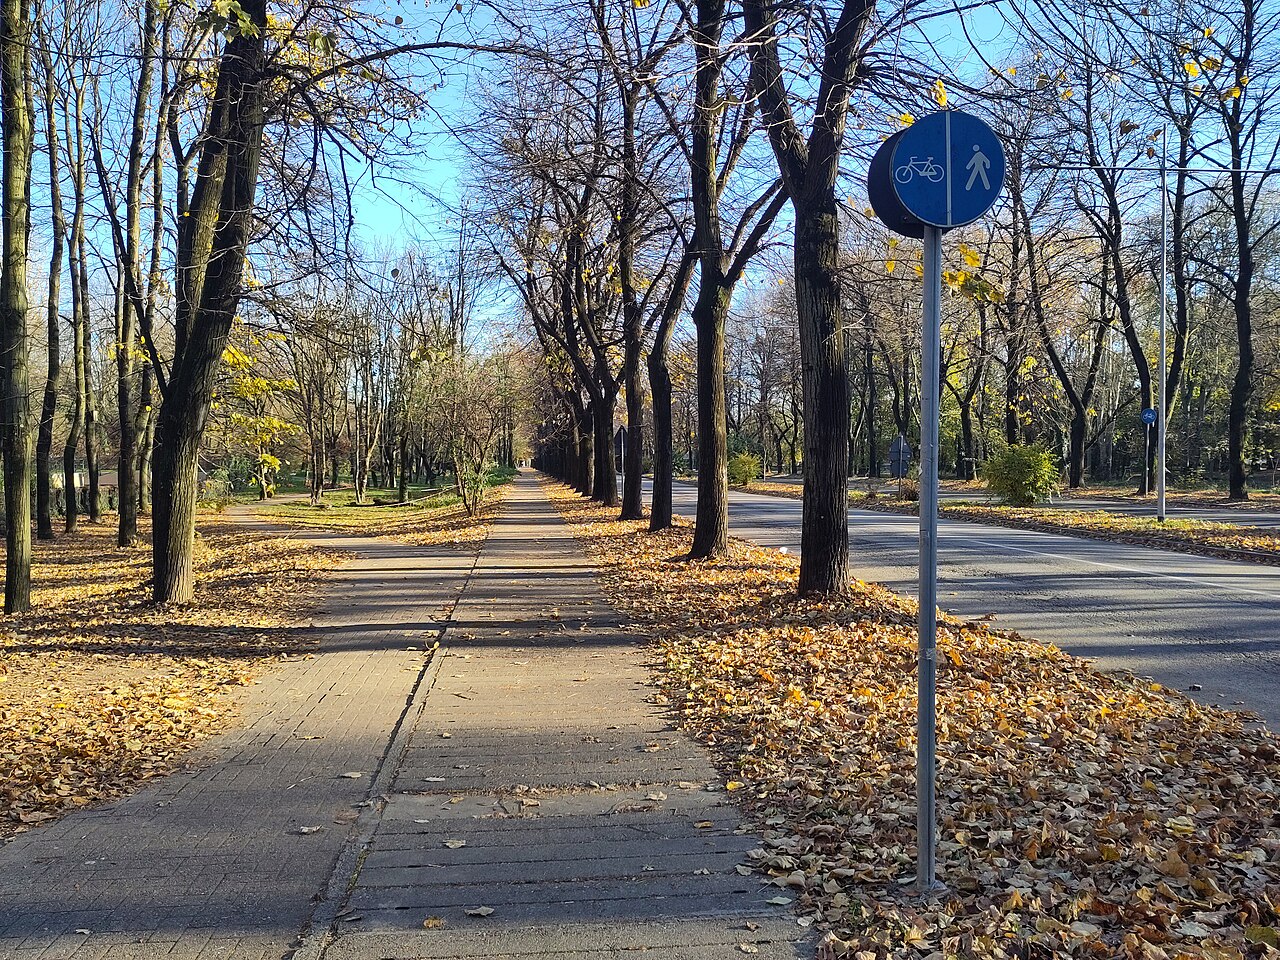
{"points": [[743, 468], [1021, 475]]}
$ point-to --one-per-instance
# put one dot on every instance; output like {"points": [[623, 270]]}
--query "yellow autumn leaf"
{"points": [[939, 93]]}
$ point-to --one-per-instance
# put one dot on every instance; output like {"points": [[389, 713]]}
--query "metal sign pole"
{"points": [[926, 710], [1164, 309], [943, 171]]}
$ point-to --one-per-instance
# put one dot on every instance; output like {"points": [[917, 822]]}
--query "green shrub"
{"points": [[1021, 476], [743, 468]]}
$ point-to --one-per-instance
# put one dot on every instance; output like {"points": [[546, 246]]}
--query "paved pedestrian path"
{"points": [[213, 862], [521, 792]]}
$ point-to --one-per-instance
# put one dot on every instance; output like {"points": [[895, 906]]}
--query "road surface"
{"points": [[1174, 508], [1182, 619]]}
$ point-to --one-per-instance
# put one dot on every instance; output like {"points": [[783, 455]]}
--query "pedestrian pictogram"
{"points": [[978, 164]]}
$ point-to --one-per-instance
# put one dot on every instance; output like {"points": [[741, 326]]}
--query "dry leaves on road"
{"points": [[1083, 815], [100, 690]]}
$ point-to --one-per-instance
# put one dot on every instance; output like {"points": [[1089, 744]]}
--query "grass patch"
{"points": [[1083, 814], [429, 520]]}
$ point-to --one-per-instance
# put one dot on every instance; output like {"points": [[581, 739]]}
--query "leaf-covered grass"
{"points": [[430, 520], [100, 689], [1083, 815]]}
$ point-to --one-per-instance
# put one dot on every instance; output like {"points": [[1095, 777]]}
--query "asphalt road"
{"points": [[1181, 619], [1245, 516]]}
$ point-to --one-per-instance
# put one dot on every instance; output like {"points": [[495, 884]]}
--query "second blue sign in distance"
{"points": [[948, 168]]}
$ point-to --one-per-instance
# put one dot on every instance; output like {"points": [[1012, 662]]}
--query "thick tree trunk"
{"points": [[663, 442], [586, 460], [176, 483], [1241, 389], [211, 251], [1075, 449], [968, 455], [711, 530], [633, 453], [53, 375], [604, 486], [824, 546], [15, 412]]}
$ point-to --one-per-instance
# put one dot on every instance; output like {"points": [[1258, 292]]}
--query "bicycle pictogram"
{"points": [[925, 168]]}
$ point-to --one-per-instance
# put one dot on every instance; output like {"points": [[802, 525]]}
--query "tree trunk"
{"points": [[660, 510], [633, 452], [49, 408], [873, 437], [1075, 448], [586, 459], [824, 546], [15, 412], [211, 250], [969, 455], [711, 530], [1241, 387], [146, 447], [604, 487], [404, 467], [70, 494], [176, 478], [126, 466]]}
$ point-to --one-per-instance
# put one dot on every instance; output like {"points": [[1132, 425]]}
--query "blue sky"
{"points": [[395, 215]]}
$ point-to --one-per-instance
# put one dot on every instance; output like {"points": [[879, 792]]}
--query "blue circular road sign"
{"points": [[1148, 416], [947, 168]]}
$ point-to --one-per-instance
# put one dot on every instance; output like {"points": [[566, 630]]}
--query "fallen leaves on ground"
{"points": [[431, 522], [1082, 814], [100, 689]]}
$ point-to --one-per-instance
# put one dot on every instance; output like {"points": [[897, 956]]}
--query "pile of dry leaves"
{"points": [[1082, 815], [99, 689]]}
